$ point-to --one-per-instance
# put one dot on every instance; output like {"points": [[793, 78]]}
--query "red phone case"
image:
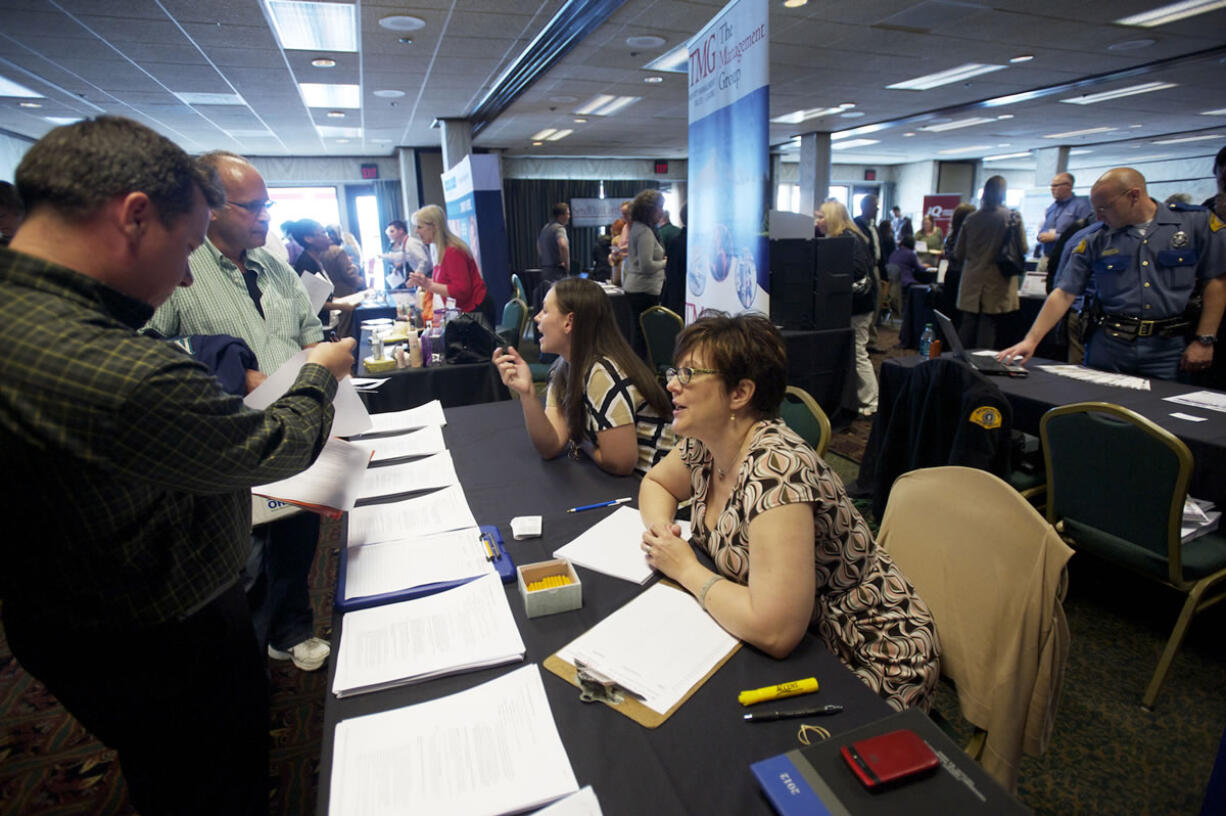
{"points": [[888, 759]]}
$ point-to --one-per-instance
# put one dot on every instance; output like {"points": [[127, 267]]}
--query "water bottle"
{"points": [[925, 344], [427, 342]]}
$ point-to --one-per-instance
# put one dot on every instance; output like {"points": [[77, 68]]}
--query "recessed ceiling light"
{"points": [[794, 3], [405, 40], [653, 80], [307, 26], [30, 104], [324, 62], [1023, 154], [851, 114], [10, 88], [1071, 133], [1005, 116], [389, 93], [958, 123], [796, 117], [1131, 45], [648, 41], [537, 144], [401, 22], [1172, 12], [929, 81], [847, 104], [1182, 139], [580, 121], [336, 114], [1131, 90], [1218, 112], [909, 133], [1022, 58], [1080, 151], [62, 120], [1004, 144], [561, 134], [853, 143], [967, 149], [210, 99], [544, 134], [330, 96], [1136, 126]]}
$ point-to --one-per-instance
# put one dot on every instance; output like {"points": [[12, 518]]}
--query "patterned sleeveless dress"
{"points": [[866, 611]]}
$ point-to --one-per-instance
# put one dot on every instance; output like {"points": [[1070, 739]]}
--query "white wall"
{"points": [[1193, 176], [11, 151], [321, 169], [913, 182]]}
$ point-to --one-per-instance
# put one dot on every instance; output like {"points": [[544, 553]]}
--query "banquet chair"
{"points": [[992, 571], [517, 288], [804, 416], [514, 319], [660, 329], [1116, 488]]}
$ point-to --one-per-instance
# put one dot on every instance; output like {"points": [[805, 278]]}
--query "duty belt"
{"points": [[1132, 326]]}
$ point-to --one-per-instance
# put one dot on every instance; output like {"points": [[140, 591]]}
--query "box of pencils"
{"points": [[548, 587]]}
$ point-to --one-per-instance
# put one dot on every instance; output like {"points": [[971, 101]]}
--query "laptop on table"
{"points": [[983, 363]]}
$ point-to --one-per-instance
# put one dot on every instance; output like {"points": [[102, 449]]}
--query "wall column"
{"points": [[814, 172], [457, 141]]}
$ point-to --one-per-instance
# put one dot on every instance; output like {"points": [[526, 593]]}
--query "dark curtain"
{"points": [[388, 199], [529, 203]]}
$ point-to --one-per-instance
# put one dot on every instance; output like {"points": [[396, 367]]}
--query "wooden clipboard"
{"points": [[632, 708]]}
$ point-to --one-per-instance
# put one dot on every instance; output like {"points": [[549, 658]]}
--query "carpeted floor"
{"points": [[1107, 755]]}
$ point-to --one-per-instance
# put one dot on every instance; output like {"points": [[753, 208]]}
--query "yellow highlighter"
{"points": [[806, 686]]}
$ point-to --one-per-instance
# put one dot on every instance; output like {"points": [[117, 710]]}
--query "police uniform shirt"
{"points": [[1148, 272]]}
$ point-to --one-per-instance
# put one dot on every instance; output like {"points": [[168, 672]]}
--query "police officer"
{"points": [[1145, 259]]}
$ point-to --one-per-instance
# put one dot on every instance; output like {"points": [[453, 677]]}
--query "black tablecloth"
{"points": [[452, 385], [696, 762], [1033, 396]]}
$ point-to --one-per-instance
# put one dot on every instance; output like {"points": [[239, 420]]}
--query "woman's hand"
{"points": [[419, 280], [513, 370], [666, 551]]}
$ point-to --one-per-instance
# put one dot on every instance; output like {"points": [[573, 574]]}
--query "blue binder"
{"points": [[503, 563]]}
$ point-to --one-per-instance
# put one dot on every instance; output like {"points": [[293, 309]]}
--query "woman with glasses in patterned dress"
{"points": [[790, 551], [602, 399]]}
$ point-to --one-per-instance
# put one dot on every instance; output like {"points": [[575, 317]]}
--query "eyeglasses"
{"points": [[1103, 207], [254, 207], [685, 374], [1061, 184]]}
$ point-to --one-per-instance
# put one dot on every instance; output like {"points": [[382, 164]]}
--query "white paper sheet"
{"points": [[423, 416], [351, 416], [438, 756], [389, 566], [582, 803], [332, 481], [425, 442], [659, 662], [437, 512], [458, 630], [1093, 375], [1212, 400], [422, 474], [612, 545], [318, 289], [1188, 417]]}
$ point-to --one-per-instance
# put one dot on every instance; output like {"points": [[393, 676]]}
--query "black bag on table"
{"points": [[467, 341]]}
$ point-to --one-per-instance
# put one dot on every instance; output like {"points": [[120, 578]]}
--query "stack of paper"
{"points": [[1093, 375], [423, 416], [350, 415], [614, 546], [425, 442], [437, 512], [329, 486], [469, 627], [377, 569], [1199, 518], [424, 474], [658, 663], [491, 750], [1211, 400]]}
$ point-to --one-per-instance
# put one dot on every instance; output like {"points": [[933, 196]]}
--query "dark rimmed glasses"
{"points": [[254, 207], [686, 373]]}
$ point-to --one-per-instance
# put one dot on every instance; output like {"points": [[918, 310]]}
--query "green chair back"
{"points": [[514, 316], [804, 416], [517, 287], [660, 329]]}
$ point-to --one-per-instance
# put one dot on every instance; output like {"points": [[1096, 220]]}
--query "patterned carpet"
{"points": [[50, 766]]}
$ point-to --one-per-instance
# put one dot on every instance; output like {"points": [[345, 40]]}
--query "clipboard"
{"points": [[628, 705], [504, 565]]}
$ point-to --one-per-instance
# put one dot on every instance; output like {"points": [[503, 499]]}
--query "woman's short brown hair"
{"points": [[741, 347]]}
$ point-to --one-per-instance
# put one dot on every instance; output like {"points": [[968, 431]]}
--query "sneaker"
{"points": [[308, 655]]}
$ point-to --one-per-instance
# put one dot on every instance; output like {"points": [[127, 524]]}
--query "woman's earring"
{"points": [[732, 418]]}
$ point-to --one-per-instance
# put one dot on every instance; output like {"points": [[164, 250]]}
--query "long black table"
{"points": [[1032, 396], [696, 762], [451, 384]]}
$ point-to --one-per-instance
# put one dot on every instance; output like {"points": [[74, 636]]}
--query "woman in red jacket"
{"points": [[456, 274]]}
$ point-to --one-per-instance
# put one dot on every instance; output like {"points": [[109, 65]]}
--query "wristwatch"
{"points": [[1206, 339]]}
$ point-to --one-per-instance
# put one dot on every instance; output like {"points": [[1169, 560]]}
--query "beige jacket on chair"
{"points": [[993, 572]]}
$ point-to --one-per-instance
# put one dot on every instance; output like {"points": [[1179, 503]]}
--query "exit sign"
{"points": [[661, 166], [370, 172]]}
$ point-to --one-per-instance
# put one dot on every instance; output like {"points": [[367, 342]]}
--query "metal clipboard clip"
{"points": [[596, 687]]}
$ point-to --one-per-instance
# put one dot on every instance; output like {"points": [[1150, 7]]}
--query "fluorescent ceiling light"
{"points": [[543, 134], [62, 120], [30, 104], [1080, 151], [330, 96], [1003, 156], [605, 105], [854, 143], [936, 80], [958, 123], [1183, 139], [1131, 90], [561, 134], [1218, 112], [796, 117], [333, 132], [1071, 133], [210, 99], [10, 88], [969, 149], [676, 61], [1172, 12], [304, 26], [1021, 58]]}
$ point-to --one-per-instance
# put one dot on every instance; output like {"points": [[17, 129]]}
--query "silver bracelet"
{"points": [[702, 593]]}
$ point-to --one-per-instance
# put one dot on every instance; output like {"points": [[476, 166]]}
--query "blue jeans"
{"points": [[280, 597], [1156, 357]]}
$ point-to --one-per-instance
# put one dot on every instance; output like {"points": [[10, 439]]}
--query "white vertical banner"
{"points": [[729, 163]]}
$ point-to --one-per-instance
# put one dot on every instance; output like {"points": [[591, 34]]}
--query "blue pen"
{"points": [[581, 508]]}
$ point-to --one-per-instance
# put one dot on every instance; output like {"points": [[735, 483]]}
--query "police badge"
{"points": [[1179, 240]]}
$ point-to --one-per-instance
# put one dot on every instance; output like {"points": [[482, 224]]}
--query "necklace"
{"points": [[721, 472]]}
